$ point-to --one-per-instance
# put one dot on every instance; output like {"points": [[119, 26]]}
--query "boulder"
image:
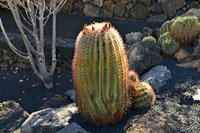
{"points": [[177, 4], [119, 9], [152, 46], [193, 12], [134, 37], [157, 18], [71, 94], [193, 4], [151, 122], [181, 55], [196, 97], [157, 76], [139, 11], [49, 120], [11, 116], [141, 59], [156, 7], [72, 128]]}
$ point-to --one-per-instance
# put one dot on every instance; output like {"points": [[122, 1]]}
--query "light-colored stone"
{"points": [[72, 128], [98, 2], [49, 120], [157, 76], [134, 37], [91, 10], [196, 97], [108, 5], [71, 94], [11, 116]]}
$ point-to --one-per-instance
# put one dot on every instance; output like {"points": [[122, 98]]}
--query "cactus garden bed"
{"points": [[177, 106]]}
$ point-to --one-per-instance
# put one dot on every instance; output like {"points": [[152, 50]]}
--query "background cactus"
{"points": [[169, 46], [143, 95], [100, 74], [149, 38], [166, 27], [185, 29]]}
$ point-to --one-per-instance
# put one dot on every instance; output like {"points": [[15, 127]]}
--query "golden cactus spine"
{"points": [[100, 74]]}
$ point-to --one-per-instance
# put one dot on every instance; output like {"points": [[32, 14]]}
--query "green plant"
{"points": [[149, 38], [134, 78], [166, 27], [100, 74], [169, 46], [185, 29], [143, 95]]}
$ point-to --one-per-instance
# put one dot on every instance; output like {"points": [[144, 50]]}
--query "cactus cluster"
{"points": [[168, 45], [104, 86], [178, 32]]}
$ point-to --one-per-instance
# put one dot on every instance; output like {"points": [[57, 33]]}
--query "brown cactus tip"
{"points": [[97, 27]]}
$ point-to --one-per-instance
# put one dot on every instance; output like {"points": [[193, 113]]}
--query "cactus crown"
{"points": [[166, 27]]}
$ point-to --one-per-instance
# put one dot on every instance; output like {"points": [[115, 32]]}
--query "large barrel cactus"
{"points": [[100, 74], [185, 29]]}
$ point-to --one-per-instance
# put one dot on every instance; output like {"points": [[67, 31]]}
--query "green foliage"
{"points": [[143, 95], [185, 29], [169, 46], [149, 38], [100, 74]]}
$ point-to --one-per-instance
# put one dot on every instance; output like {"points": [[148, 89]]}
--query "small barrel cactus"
{"points": [[143, 95], [134, 78], [185, 29], [169, 46], [166, 27], [100, 74], [149, 38]]}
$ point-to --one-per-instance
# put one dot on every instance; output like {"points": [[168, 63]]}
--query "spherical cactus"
{"points": [[143, 95], [149, 38], [134, 78], [166, 27], [100, 74], [185, 29], [169, 46]]}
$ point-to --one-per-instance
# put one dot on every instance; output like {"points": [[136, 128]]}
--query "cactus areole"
{"points": [[100, 74]]}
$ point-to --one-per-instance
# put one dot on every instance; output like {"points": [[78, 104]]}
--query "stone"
{"points": [[152, 46], [139, 11], [157, 18], [193, 12], [71, 94], [91, 10], [72, 128], [141, 59], [147, 31], [119, 9], [156, 7], [181, 55], [49, 120], [157, 32], [193, 4], [129, 6], [196, 97], [98, 2], [108, 5], [177, 4], [94, 11], [157, 76], [134, 37], [11, 116], [152, 121]]}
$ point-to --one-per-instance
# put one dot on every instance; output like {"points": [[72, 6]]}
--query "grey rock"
{"points": [[139, 11], [94, 11], [119, 9], [134, 37], [193, 11], [147, 31], [141, 59], [157, 76], [152, 46], [11, 116], [49, 120], [72, 128], [157, 18], [156, 7], [153, 121], [98, 2], [177, 4], [71, 94]]}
